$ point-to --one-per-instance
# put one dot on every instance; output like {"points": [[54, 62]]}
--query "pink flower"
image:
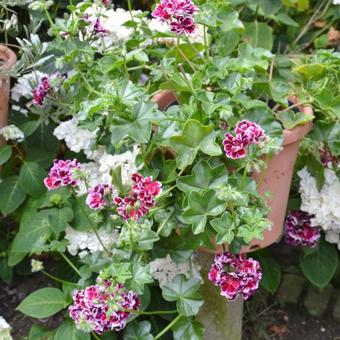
{"points": [[299, 231], [61, 174], [141, 198], [235, 275], [103, 307], [98, 28], [247, 133], [96, 196], [41, 91], [327, 159], [106, 2], [178, 14]]}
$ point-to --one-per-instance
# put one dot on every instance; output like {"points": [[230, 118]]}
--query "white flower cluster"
{"points": [[76, 138], [323, 204], [13, 133], [5, 330], [336, 2], [36, 266], [165, 269], [86, 242], [25, 84]]}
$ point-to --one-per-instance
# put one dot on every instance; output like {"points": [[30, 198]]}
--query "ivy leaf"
{"points": [[147, 237], [290, 119], [195, 137], [138, 125], [11, 195], [224, 226], [31, 179], [5, 153], [43, 303], [200, 206], [166, 221], [203, 177], [140, 276], [60, 218], [138, 331], [187, 329], [67, 330], [320, 266], [185, 292]]}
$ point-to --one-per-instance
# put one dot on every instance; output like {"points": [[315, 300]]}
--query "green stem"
{"points": [[95, 336], [57, 278], [49, 17], [168, 327], [156, 312], [88, 85], [206, 43], [70, 263], [166, 191]]}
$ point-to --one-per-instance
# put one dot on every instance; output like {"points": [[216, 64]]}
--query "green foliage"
{"points": [[138, 331], [12, 196]]}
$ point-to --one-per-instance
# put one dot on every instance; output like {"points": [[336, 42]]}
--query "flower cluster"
{"points": [[103, 307], [299, 231], [327, 159], [41, 91], [141, 198], [96, 197], [5, 330], [61, 174], [86, 242], [13, 133], [322, 204], [235, 275], [178, 14], [36, 266], [247, 133]]}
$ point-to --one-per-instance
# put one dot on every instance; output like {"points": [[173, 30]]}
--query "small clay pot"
{"points": [[276, 178], [8, 58]]}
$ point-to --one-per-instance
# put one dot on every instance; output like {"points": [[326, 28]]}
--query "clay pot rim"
{"points": [[163, 98], [8, 56]]}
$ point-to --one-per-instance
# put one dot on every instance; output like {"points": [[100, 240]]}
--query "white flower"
{"points": [[165, 269], [25, 85], [5, 329], [36, 266], [323, 204], [12, 132], [76, 138], [86, 242], [336, 2]]}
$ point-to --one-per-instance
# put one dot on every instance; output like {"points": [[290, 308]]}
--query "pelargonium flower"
{"points": [[106, 2], [299, 231], [178, 14], [98, 28], [247, 133], [327, 159], [103, 307], [41, 91], [141, 198], [61, 174], [96, 196], [235, 275]]}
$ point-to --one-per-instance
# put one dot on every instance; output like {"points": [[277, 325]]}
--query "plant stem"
{"points": [[156, 312], [70, 263], [295, 105], [95, 336], [206, 43], [48, 17], [171, 324], [57, 278], [192, 66], [166, 191]]}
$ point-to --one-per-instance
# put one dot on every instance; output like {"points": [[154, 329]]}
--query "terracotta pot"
{"points": [[9, 58], [276, 178]]}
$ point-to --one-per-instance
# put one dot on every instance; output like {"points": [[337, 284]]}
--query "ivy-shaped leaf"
{"points": [[224, 226], [140, 276], [203, 177], [188, 329], [195, 137], [185, 292], [138, 331], [200, 206], [138, 125]]}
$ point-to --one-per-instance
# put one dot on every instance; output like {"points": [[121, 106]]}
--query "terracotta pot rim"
{"points": [[8, 56], [165, 97]]}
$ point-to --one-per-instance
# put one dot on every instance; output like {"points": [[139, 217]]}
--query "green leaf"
{"points": [[43, 303], [195, 137], [271, 271], [185, 292], [29, 127], [137, 125], [38, 332], [187, 329], [59, 219], [31, 179], [290, 119], [311, 71], [140, 276], [68, 331], [11, 196], [81, 212], [200, 206], [5, 153], [6, 272], [147, 237], [259, 34], [138, 331], [203, 177], [320, 266], [224, 226]]}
